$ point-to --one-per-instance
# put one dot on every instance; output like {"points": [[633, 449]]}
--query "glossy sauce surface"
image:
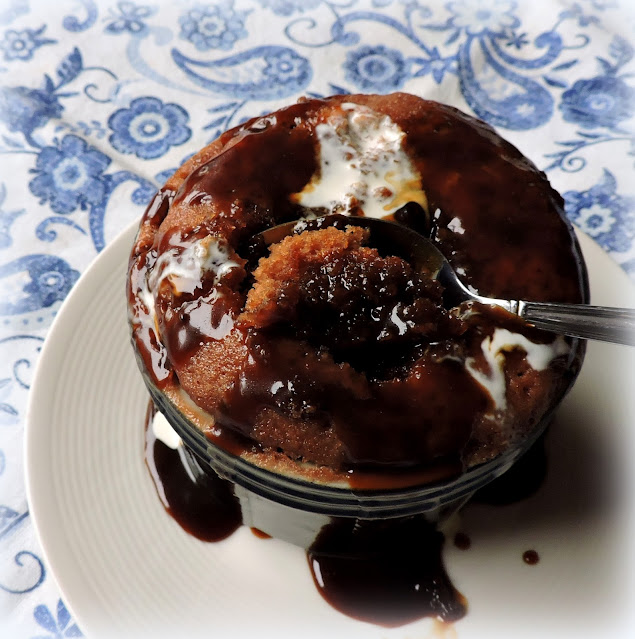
{"points": [[388, 572], [462, 541], [203, 504], [339, 403]]}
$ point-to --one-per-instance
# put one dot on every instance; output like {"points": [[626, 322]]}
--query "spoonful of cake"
{"points": [[602, 323]]}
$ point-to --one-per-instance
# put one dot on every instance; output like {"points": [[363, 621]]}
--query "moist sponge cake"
{"points": [[323, 354]]}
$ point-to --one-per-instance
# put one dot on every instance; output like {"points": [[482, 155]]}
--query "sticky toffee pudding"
{"points": [[324, 373]]}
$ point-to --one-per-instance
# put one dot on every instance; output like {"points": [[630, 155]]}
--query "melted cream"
{"points": [[363, 165], [164, 432], [539, 356], [185, 266]]}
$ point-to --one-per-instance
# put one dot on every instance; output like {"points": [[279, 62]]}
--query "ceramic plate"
{"points": [[126, 569]]}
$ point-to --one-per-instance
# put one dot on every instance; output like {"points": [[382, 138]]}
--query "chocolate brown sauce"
{"points": [[505, 211], [148, 345], [388, 572], [276, 375], [259, 533], [472, 180], [254, 174], [203, 504], [385, 572], [159, 206], [415, 217], [462, 541]]}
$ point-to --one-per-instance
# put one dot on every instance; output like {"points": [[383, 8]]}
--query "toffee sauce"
{"points": [[204, 505], [462, 541], [531, 557], [386, 572], [248, 187], [398, 565]]}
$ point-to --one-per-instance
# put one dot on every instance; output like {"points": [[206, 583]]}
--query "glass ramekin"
{"points": [[295, 510]]}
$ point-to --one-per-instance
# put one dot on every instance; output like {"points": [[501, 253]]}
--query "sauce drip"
{"points": [[385, 572], [204, 505], [140, 298], [388, 572], [462, 541], [259, 533]]}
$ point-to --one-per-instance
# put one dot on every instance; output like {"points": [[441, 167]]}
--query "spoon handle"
{"points": [[603, 323]]}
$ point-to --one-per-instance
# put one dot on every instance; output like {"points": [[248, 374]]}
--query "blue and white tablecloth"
{"points": [[101, 101]]}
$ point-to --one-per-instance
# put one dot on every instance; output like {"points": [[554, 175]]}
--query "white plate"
{"points": [[126, 569]]}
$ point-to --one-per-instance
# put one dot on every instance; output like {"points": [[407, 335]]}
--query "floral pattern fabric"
{"points": [[148, 128], [100, 100]]}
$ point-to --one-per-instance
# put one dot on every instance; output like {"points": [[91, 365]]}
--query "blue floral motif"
{"points": [[497, 88], [69, 175], [29, 563], [7, 515], [23, 110], [148, 128], [214, 26], [288, 7], [19, 380], [50, 278], [576, 11], [476, 18], [517, 40], [261, 73], [603, 214], [603, 101], [436, 66], [58, 626], [376, 68], [75, 25], [20, 45], [284, 66], [130, 18], [6, 219]]}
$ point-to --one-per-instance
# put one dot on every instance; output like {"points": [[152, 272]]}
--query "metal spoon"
{"points": [[577, 320]]}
